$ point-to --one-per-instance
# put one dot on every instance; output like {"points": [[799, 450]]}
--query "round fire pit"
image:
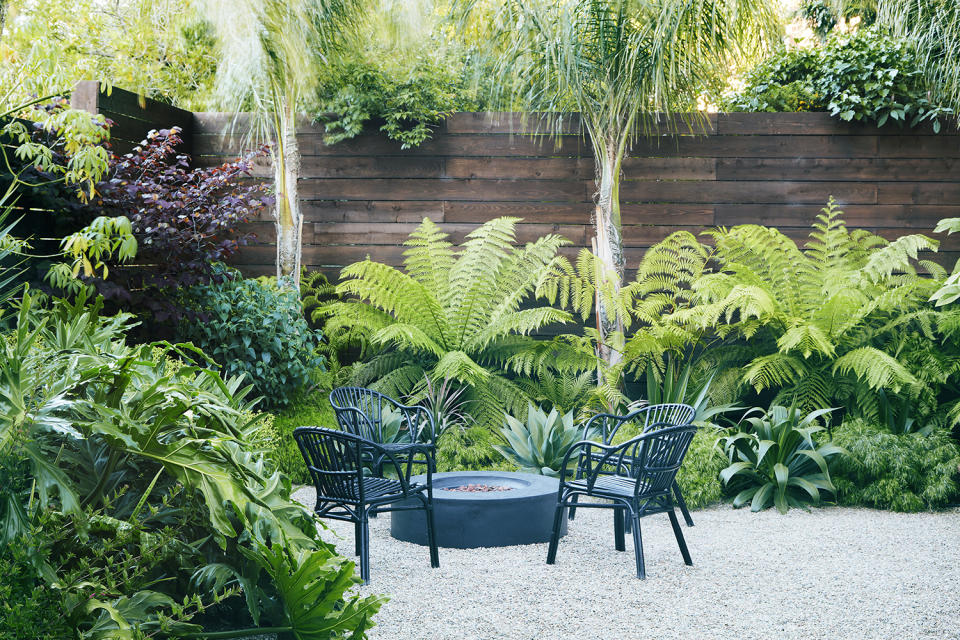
{"points": [[483, 509]]}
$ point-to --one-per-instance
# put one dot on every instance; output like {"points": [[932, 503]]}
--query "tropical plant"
{"points": [[949, 290], [272, 53], [444, 402], [866, 76], [565, 392], [775, 460], [539, 444], [619, 63], [154, 460], [897, 471], [813, 325], [450, 313], [254, 329], [161, 49]]}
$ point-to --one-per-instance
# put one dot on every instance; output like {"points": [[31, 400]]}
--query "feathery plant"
{"points": [[815, 321], [272, 54], [619, 63], [450, 313]]}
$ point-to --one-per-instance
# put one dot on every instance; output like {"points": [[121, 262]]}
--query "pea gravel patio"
{"points": [[831, 573]]}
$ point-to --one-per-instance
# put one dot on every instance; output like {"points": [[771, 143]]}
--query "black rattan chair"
{"points": [[637, 478], [604, 426], [336, 462], [360, 411]]}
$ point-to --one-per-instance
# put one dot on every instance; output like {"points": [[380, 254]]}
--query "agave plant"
{"points": [[778, 460], [538, 446], [450, 313]]}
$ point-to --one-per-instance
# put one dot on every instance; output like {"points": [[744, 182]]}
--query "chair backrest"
{"points": [[604, 426], [658, 458], [361, 411], [335, 461]]}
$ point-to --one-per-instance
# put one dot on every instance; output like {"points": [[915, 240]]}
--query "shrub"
{"points": [[257, 329], [539, 444], [897, 471], [305, 410], [409, 105], [699, 476], [184, 221], [157, 510], [774, 460], [470, 449], [867, 76]]}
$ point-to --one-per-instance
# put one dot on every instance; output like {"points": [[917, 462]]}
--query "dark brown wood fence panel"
{"points": [[133, 116], [363, 196]]}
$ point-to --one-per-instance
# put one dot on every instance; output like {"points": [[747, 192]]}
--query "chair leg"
{"points": [[357, 535], [618, 538], [682, 504], [572, 510], [555, 536], [638, 545], [432, 535], [364, 547], [679, 534]]}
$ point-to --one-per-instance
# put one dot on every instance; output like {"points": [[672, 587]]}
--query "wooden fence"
{"points": [[132, 115], [363, 196]]}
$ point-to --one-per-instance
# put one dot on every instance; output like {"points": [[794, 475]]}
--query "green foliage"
{"points": [[410, 103], [305, 410], [28, 606], [470, 448], [774, 460], [699, 476], [450, 314], [155, 505], [897, 471], [252, 328], [820, 15], [949, 290], [814, 326], [867, 76], [539, 444], [163, 50]]}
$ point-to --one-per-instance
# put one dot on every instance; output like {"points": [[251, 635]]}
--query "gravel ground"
{"points": [[832, 573]]}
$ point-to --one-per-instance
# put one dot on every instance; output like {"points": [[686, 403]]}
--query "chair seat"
{"points": [[375, 488], [613, 485]]}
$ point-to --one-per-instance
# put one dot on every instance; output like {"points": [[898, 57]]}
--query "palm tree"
{"points": [[272, 53], [621, 63]]}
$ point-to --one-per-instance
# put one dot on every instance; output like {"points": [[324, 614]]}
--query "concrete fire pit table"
{"points": [[484, 509]]}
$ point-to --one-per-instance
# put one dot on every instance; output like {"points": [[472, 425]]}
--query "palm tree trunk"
{"points": [[609, 243], [288, 217]]}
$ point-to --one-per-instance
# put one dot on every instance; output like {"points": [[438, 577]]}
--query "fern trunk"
{"points": [[288, 217], [609, 249]]}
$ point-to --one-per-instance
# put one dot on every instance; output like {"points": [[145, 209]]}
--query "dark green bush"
{"points": [[29, 608], [865, 77], [699, 477], [900, 472], [255, 328], [311, 410], [409, 105]]}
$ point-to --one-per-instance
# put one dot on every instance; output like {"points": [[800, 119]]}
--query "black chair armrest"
{"points": [[409, 411]]}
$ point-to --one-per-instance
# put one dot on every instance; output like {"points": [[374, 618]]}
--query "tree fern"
{"points": [[458, 313]]}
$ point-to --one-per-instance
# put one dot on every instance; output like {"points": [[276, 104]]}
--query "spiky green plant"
{"points": [[539, 444], [814, 323], [778, 460], [450, 313]]}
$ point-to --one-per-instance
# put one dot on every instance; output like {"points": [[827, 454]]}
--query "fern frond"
{"points": [[897, 256], [430, 258], [457, 365], [773, 370], [808, 339], [877, 369]]}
